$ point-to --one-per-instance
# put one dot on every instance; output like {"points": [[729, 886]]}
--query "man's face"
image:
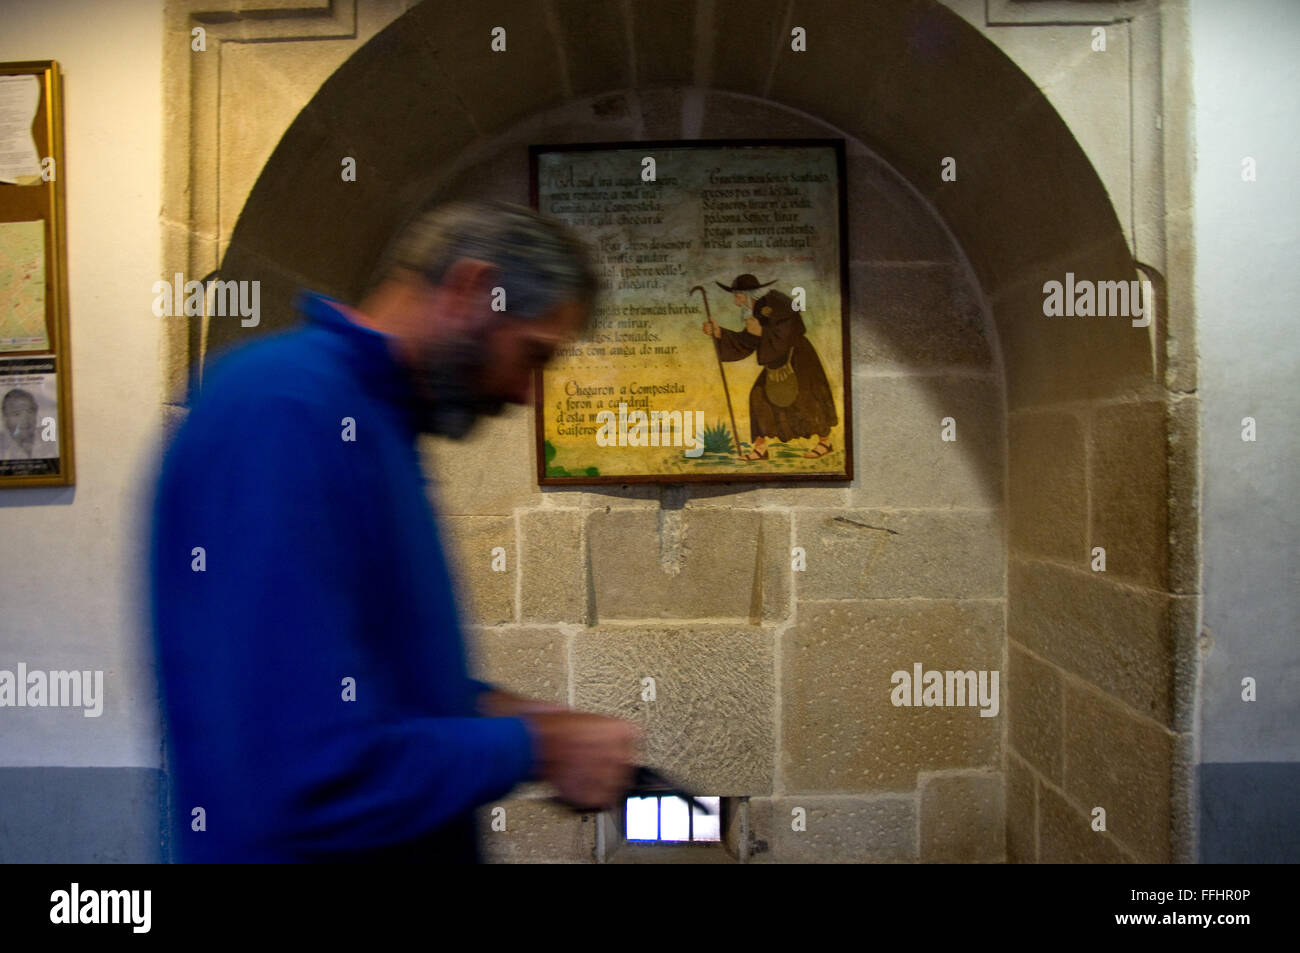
{"points": [[486, 360], [20, 419], [516, 347]]}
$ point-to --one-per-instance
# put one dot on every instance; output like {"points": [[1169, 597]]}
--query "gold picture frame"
{"points": [[36, 443]]}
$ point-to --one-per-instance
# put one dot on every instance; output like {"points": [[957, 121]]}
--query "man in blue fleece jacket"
{"points": [[309, 651]]}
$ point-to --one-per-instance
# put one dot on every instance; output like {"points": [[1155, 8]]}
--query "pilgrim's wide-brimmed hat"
{"points": [[744, 283]]}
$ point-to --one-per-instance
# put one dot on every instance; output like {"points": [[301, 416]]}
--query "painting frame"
{"points": [[547, 475]]}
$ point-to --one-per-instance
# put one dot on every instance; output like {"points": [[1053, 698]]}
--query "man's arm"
{"points": [[736, 345], [283, 720], [494, 702]]}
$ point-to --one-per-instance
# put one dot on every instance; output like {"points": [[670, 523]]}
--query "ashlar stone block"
{"points": [[706, 712], [841, 731]]}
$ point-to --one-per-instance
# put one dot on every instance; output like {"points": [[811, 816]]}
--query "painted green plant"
{"points": [[717, 438], [556, 471]]}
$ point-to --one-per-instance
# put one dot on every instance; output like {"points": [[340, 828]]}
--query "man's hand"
{"points": [[589, 759], [752, 325], [711, 328], [502, 704]]}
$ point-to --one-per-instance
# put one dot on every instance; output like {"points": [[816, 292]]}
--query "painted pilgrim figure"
{"points": [[791, 397]]}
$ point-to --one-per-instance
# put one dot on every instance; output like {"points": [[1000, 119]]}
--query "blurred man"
{"points": [[310, 654]]}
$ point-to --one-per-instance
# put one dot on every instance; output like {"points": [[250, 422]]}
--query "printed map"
{"points": [[22, 287]]}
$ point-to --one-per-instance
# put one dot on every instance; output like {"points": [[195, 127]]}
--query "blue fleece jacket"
{"points": [[309, 652]]}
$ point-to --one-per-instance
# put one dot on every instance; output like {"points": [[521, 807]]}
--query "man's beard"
{"points": [[447, 399]]}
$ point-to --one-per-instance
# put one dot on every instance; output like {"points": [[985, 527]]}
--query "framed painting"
{"points": [[719, 350]]}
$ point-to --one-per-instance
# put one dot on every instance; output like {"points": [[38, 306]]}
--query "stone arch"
{"points": [[930, 86], [915, 83]]}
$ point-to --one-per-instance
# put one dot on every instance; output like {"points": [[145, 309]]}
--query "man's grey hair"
{"points": [[540, 261]]}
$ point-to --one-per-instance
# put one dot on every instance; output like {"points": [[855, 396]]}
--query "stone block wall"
{"points": [[771, 683], [1100, 660]]}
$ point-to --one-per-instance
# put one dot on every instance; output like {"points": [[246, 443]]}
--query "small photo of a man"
{"points": [[23, 437]]}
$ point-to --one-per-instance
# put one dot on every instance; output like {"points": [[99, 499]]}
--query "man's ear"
{"points": [[468, 283]]}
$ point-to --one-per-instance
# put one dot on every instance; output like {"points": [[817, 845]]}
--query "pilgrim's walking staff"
{"points": [[718, 354]]}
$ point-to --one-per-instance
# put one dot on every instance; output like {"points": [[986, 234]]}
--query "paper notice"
{"points": [[19, 96]]}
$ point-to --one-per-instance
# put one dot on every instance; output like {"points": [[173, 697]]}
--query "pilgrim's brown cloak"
{"points": [[813, 410]]}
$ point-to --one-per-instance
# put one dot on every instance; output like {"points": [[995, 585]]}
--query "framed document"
{"points": [[35, 366], [720, 348]]}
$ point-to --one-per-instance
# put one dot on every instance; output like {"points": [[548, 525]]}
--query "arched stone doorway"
{"points": [[1099, 668]]}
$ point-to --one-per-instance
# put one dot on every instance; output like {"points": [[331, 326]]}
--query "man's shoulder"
{"points": [[294, 364], [273, 396]]}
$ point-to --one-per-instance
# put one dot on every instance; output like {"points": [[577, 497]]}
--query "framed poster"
{"points": [[720, 349], [35, 378]]}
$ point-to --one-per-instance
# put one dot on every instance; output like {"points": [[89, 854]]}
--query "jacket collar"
{"points": [[369, 351]]}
